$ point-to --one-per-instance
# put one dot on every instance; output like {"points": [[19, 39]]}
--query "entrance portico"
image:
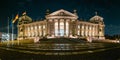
{"points": [[61, 22]]}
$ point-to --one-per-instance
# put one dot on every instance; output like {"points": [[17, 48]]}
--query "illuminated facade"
{"points": [[59, 24]]}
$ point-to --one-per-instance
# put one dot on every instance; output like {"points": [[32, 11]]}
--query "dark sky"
{"points": [[108, 9]]}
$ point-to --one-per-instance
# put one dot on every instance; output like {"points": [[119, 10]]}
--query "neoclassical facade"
{"points": [[59, 24]]}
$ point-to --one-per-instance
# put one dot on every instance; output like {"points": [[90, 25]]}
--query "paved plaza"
{"points": [[60, 49]]}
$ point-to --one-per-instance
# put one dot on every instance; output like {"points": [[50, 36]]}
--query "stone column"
{"points": [[92, 31], [50, 28], [47, 26], [39, 30], [103, 30], [18, 32], [76, 27], [64, 27], [54, 27], [26, 31], [70, 24], [33, 30], [58, 27], [93, 28], [78, 33], [29, 31], [85, 30], [80, 29], [97, 32], [89, 30], [42, 29]]}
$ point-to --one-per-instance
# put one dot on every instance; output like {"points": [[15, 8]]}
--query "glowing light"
{"points": [[56, 28], [61, 29], [67, 28]]}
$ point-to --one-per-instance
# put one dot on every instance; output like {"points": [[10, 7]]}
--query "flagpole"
{"points": [[13, 21], [12, 32], [8, 32]]}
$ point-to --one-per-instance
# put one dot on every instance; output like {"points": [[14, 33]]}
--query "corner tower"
{"points": [[22, 21], [100, 25]]}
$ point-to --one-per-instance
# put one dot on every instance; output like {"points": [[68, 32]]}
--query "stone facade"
{"points": [[59, 24]]}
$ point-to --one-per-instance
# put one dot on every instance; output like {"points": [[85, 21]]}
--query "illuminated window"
{"points": [[29, 31], [35, 31], [78, 32], [82, 27], [67, 28], [43, 26], [61, 31], [61, 28], [32, 31], [78, 26], [35, 27], [93, 32], [44, 33], [90, 31], [56, 28], [82, 33], [31, 28], [39, 27], [86, 33], [40, 31]]}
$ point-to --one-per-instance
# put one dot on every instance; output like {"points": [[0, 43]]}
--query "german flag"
{"points": [[16, 17]]}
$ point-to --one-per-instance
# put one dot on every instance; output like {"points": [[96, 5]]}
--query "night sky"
{"points": [[108, 9]]}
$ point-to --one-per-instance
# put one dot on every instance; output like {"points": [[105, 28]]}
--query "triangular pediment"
{"points": [[62, 12]]}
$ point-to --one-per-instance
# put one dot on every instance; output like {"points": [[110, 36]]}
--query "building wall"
{"points": [[61, 24]]}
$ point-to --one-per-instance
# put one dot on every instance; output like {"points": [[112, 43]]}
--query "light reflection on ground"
{"points": [[59, 48]]}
